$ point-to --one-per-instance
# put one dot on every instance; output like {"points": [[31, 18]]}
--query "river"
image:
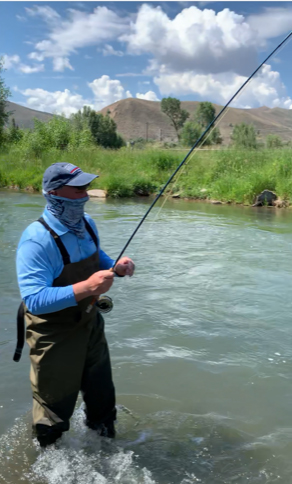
{"points": [[200, 342]]}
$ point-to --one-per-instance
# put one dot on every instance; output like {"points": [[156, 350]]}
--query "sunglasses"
{"points": [[83, 187]]}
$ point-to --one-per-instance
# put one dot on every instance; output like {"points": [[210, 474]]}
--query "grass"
{"points": [[225, 175]]}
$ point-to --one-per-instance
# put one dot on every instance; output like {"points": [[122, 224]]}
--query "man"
{"points": [[61, 272]]}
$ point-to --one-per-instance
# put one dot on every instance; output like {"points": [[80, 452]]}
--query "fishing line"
{"points": [[199, 140], [197, 143]]}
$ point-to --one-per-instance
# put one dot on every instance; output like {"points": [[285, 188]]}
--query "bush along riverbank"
{"points": [[228, 176]]}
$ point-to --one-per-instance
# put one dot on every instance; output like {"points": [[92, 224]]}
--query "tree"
{"points": [[274, 141], [171, 107], [190, 133], [4, 94], [203, 117], [244, 136], [205, 114], [103, 128], [14, 134]]}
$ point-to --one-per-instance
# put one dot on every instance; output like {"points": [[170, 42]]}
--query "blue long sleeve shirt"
{"points": [[39, 263]]}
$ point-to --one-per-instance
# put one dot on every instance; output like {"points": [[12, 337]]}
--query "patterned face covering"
{"points": [[69, 212]]}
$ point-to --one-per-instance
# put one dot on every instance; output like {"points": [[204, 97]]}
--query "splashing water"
{"points": [[161, 448]]}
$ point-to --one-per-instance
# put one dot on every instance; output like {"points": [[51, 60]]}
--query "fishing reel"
{"points": [[105, 304]]}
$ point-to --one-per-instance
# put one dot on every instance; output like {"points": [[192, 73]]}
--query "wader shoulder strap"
{"points": [[91, 232], [20, 332], [66, 260], [61, 246]]}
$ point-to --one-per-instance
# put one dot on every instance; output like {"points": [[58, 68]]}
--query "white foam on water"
{"points": [[82, 457], [158, 448]]}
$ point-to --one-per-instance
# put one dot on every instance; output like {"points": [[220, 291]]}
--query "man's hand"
{"points": [[100, 282], [125, 267], [97, 284]]}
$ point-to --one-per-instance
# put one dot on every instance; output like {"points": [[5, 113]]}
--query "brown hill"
{"points": [[24, 116], [137, 118]]}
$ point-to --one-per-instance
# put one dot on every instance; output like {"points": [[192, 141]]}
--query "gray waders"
{"points": [[69, 353]]}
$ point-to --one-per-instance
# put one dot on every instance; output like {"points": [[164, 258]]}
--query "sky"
{"points": [[60, 56]]}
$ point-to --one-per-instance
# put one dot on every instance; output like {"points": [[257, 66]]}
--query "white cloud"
{"points": [[272, 22], [195, 39], [13, 62], [36, 56], [61, 63], [148, 96], [79, 30], [31, 70], [21, 18], [46, 12], [107, 91], [57, 102], [266, 89], [10, 61], [109, 50]]}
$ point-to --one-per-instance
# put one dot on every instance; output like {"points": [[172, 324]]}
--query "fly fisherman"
{"points": [[61, 269]]}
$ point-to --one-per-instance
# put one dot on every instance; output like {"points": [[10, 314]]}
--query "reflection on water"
{"points": [[200, 343]]}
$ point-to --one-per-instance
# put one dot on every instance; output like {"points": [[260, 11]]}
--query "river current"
{"points": [[200, 341]]}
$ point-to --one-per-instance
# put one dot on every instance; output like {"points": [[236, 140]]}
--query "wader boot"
{"points": [[69, 353]]}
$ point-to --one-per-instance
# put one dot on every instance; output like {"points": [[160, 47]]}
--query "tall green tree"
{"points": [[4, 95], [192, 130], [103, 128], [171, 107], [204, 114], [190, 133], [244, 136], [13, 133]]}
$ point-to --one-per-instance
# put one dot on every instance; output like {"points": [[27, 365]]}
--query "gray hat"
{"points": [[60, 174]]}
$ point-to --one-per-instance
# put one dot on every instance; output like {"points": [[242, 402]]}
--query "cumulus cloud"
{"points": [[57, 102], [148, 96], [79, 30], [10, 61], [14, 62], [107, 91], [265, 89], [195, 39], [199, 51], [272, 22]]}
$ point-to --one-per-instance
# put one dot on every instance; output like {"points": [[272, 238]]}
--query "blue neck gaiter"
{"points": [[69, 212]]}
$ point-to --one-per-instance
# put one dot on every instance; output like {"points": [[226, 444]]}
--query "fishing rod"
{"points": [[105, 298]]}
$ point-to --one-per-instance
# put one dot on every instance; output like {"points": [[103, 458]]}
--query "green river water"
{"points": [[201, 348]]}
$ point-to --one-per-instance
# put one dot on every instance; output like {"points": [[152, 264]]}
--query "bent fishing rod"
{"points": [[187, 156], [196, 144]]}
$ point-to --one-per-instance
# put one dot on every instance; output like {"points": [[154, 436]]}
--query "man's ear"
{"points": [[52, 192]]}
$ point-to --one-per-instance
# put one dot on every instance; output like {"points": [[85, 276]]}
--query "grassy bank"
{"points": [[225, 175]]}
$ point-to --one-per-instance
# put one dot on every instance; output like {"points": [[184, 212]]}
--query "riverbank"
{"points": [[226, 176]]}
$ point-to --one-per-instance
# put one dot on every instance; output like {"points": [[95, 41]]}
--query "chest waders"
{"points": [[69, 353]]}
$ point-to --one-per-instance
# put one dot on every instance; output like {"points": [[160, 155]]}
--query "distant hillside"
{"points": [[139, 118], [24, 116]]}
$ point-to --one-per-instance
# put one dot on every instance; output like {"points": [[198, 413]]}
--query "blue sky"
{"points": [[61, 55]]}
